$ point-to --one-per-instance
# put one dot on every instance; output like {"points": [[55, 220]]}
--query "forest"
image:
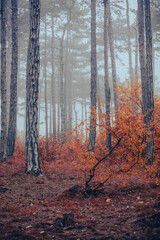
{"points": [[80, 119]]}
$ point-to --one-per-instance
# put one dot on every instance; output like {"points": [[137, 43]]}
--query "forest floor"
{"points": [[32, 207]]}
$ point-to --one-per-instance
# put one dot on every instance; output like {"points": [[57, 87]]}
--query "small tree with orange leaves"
{"points": [[126, 158]]}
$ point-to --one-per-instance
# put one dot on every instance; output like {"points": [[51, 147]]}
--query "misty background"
{"points": [[59, 18]]}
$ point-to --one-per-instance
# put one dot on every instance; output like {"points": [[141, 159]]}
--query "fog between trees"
{"points": [[65, 58]]}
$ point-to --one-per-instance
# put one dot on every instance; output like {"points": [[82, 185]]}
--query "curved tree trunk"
{"points": [[13, 86]]}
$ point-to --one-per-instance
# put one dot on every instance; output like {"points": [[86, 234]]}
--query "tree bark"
{"points": [[53, 82], [62, 88], [45, 87], [142, 54], [150, 91], [129, 43], [45, 90], [32, 83], [70, 87], [3, 154], [114, 78], [136, 49], [13, 85], [106, 77], [147, 76], [92, 132]]}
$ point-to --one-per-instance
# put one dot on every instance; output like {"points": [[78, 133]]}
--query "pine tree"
{"points": [[13, 85], [3, 154], [33, 67]]}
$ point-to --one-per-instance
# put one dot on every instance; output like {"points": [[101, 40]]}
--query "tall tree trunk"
{"points": [[13, 86], [58, 110], [50, 121], [53, 82], [150, 91], [70, 86], [106, 77], [62, 95], [136, 49], [62, 88], [45, 79], [129, 43], [8, 56], [75, 112], [45, 87], [39, 108], [114, 78], [142, 54], [32, 82], [92, 131], [86, 118], [3, 154]]}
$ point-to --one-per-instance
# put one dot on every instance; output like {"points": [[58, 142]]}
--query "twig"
{"points": [[92, 171]]}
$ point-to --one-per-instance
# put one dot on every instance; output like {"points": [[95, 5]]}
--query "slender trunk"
{"points": [[99, 112], [53, 82], [3, 154], [8, 58], [66, 84], [62, 89], [50, 120], [45, 88], [114, 78], [92, 132], [150, 91], [75, 112], [136, 50], [70, 87], [86, 117], [45, 79], [142, 54], [106, 76], [129, 43], [58, 110], [13, 86], [39, 108]]}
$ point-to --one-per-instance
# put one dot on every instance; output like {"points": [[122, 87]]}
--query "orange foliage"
{"points": [[128, 159]]}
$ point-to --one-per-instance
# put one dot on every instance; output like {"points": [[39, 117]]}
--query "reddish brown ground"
{"points": [[30, 205]]}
